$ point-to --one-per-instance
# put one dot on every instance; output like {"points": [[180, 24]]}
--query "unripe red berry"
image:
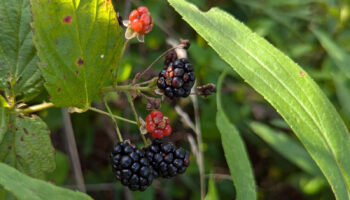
{"points": [[133, 15], [142, 9], [136, 25], [157, 124], [141, 20]]}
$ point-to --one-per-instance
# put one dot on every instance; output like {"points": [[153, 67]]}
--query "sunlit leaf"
{"points": [[284, 84], [79, 44]]}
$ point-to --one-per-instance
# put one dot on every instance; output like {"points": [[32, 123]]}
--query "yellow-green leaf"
{"points": [[79, 43]]}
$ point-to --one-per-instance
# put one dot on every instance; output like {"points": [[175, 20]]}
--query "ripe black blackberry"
{"points": [[131, 167], [166, 160], [176, 79]]}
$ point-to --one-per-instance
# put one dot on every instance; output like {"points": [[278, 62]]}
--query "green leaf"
{"points": [[282, 83], [241, 172], [340, 57], [212, 191], [26, 144], [19, 72], [25, 187], [79, 43], [342, 85], [4, 121], [3, 102], [287, 147]]}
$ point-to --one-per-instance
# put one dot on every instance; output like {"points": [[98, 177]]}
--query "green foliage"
{"points": [[25, 188], [26, 144], [282, 83], [287, 146], [19, 74], [339, 56], [234, 148], [79, 44], [212, 191]]}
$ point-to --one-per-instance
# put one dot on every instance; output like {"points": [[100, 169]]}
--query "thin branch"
{"points": [[113, 119], [126, 88], [37, 108], [115, 116], [73, 151], [131, 102], [115, 76], [139, 75]]}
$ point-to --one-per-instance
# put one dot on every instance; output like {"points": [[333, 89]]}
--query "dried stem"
{"points": [[200, 144], [73, 151], [196, 149]]}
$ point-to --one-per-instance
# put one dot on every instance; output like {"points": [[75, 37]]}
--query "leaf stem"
{"points": [[136, 116], [37, 108], [114, 116], [115, 76], [126, 88], [113, 119]]}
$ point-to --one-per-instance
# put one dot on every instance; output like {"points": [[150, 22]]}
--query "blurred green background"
{"points": [[287, 25]]}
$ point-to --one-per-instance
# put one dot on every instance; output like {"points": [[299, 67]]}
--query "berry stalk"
{"points": [[114, 116], [115, 122], [128, 95], [115, 75]]}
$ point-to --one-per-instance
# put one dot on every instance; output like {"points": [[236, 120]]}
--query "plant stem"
{"points": [[37, 108], [138, 76], [113, 119], [114, 116], [136, 116], [115, 76], [126, 88], [200, 145]]}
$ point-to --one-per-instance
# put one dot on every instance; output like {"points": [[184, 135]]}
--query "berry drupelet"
{"points": [[131, 167], [176, 79], [167, 160], [157, 124]]}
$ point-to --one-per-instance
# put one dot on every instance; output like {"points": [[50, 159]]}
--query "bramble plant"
{"points": [[68, 54]]}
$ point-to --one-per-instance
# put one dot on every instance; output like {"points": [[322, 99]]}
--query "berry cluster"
{"points": [[176, 79], [136, 168], [141, 20], [157, 124], [131, 167], [166, 160]]}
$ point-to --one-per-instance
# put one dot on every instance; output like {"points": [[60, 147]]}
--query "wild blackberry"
{"points": [[176, 79], [167, 160], [131, 167]]}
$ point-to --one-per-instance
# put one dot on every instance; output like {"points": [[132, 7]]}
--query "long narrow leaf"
{"points": [[284, 84], [235, 153]]}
